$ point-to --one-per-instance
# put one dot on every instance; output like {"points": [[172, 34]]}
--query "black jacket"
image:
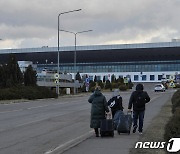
{"points": [[138, 99], [115, 103]]}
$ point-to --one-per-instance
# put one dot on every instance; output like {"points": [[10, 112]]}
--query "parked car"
{"points": [[159, 87]]}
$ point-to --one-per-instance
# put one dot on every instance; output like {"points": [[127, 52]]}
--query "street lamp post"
{"points": [[75, 35], [57, 88]]}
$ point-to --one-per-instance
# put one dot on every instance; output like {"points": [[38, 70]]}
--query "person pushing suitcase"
{"points": [[138, 100], [115, 103]]}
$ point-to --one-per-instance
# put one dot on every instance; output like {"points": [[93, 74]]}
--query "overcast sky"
{"points": [[33, 23]]}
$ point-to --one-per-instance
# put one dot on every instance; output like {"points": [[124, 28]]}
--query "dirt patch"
{"points": [[155, 132]]}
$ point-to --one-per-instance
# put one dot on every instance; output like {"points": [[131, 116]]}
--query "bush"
{"points": [[175, 100], [115, 85], [26, 92], [123, 87], [108, 85], [92, 89], [172, 129], [177, 86], [130, 85], [101, 84], [83, 88], [62, 91], [92, 84]]}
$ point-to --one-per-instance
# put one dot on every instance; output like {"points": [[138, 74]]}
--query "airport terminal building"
{"points": [[143, 62]]}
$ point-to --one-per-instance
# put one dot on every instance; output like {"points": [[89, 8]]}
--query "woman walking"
{"points": [[98, 108]]}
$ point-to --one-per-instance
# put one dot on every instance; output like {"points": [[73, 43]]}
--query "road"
{"points": [[41, 126]]}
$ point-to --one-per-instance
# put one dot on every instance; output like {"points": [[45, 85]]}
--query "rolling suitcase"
{"points": [[107, 128], [125, 123]]}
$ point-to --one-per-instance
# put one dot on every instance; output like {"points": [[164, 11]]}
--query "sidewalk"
{"points": [[120, 144]]}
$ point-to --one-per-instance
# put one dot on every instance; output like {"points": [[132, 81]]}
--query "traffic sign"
{"points": [[56, 76], [171, 84], [171, 77], [87, 80], [56, 81], [125, 80]]}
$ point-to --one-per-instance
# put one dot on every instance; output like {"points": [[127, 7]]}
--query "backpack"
{"points": [[140, 101]]}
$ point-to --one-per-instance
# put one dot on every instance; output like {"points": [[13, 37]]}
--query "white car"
{"points": [[159, 87]]}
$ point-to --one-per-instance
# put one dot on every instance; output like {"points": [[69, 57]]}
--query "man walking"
{"points": [[138, 100]]}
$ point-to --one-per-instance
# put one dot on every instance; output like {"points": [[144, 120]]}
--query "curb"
{"points": [[70, 144]]}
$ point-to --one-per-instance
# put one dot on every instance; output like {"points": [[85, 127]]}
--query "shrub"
{"points": [[177, 86], [63, 91], [130, 85], [92, 84], [172, 129], [123, 87], [108, 85], [175, 100], [83, 88], [101, 84], [92, 89], [115, 85], [26, 92]]}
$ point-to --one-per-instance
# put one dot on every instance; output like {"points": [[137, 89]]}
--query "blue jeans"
{"points": [[138, 115]]}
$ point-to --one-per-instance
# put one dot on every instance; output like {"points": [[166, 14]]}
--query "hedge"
{"points": [[172, 128], [175, 100], [123, 87], [26, 92]]}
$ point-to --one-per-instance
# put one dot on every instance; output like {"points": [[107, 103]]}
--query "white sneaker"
{"points": [[140, 133]]}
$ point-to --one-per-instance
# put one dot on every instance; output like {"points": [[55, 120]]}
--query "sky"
{"points": [[34, 23]]}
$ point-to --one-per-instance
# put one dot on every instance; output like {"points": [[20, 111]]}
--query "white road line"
{"points": [[35, 107], [70, 143], [11, 111]]}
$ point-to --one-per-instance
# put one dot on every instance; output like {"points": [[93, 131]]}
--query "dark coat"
{"points": [[115, 103], [138, 99], [98, 108]]}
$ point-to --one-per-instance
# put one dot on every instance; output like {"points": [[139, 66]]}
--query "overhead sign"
{"points": [[56, 76]]}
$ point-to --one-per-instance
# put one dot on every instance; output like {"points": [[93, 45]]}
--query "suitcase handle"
{"points": [[129, 112], [108, 115]]}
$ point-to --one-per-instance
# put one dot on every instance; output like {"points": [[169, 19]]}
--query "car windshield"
{"points": [[158, 86]]}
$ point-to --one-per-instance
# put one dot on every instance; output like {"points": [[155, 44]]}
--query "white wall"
{"points": [[124, 74]]}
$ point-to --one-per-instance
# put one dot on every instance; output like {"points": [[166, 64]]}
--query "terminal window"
{"points": [[159, 77], [98, 78], [152, 77], [136, 77], [144, 77]]}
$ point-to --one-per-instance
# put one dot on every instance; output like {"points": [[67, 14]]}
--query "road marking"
{"points": [[35, 107], [11, 111], [71, 143]]}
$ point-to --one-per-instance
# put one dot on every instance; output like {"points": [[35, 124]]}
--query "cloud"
{"points": [[34, 23]]}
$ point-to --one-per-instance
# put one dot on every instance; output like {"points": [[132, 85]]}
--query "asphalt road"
{"points": [[43, 126]]}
